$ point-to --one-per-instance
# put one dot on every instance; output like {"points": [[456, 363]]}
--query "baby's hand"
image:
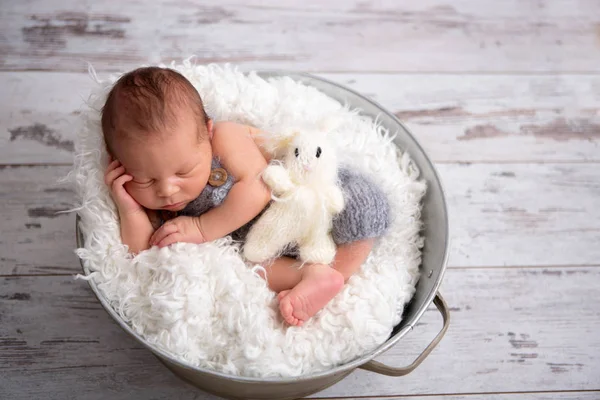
{"points": [[115, 177], [180, 229]]}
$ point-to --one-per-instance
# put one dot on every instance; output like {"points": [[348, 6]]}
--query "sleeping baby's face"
{"points": [[170, 168]]}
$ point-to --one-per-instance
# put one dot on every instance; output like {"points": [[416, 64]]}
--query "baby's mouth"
{"points": [[174, 206]]}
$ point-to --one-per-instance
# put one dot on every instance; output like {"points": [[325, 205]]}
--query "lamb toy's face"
{"points": [[309, 156]]}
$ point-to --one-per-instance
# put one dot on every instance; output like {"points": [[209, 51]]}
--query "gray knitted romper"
{"points": [[366, 213]]}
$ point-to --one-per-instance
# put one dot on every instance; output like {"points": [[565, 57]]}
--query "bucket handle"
{"points": [[380, 368]]}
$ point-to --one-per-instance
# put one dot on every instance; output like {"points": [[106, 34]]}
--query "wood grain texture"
{"points": [[574, 395], [38, 116], [465, 119], [504, 96], [523, 214], [500, 215], [36, 238], [512, 330], [424, 36], [492, 118], [56, 342]]}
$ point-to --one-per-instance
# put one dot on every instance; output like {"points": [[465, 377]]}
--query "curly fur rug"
{"points": [[202, 303]]}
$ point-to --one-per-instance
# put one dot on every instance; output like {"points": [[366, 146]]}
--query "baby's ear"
{"points": [[108, 152], [209, 127]]}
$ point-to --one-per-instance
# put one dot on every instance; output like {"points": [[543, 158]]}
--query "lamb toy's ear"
{"points": [[330, 123], [279, 142], [287, 140]]}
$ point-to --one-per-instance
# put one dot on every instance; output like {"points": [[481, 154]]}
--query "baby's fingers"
{"points": [[120, 181], [170, 239], [112, 165], [162, 232], [113, 174]]}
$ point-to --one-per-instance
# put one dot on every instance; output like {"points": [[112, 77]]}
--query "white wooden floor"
{"points": [[503, 95]]}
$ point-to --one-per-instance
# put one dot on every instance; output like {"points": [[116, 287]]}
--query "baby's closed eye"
{"points": [[186, 172], [143, 183]]}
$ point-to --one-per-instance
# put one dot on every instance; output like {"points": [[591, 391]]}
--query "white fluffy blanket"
{"points": [[202, 303]]}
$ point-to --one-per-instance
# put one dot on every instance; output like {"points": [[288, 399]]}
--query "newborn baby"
{"points": [[177, 176]]}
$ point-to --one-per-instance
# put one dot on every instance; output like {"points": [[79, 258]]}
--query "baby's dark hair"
{"points": [[148, 99]]}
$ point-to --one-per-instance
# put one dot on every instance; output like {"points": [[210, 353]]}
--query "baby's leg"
{"points": [[316, 284], [351, 256], [282, 274]]}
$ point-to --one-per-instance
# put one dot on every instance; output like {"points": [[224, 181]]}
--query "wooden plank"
{"points": [[424, 36], [473, 118], [500, 215], [523, 214], [35, 239], [492, 118], [38, 115], [512, 330], [56, 342], [575, 395]]}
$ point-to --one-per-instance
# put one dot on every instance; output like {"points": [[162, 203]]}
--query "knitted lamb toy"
{"points": [[306, 198]]}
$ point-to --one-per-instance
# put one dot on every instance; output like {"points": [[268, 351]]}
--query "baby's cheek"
{"points": [[135, 192], [129, 187]]}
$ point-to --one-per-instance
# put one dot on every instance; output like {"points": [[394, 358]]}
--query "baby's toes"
{"points": [[287, 311], [282, 294]]}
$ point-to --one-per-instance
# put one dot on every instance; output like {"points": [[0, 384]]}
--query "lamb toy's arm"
{"points": [[334, 200], [277, 178]]}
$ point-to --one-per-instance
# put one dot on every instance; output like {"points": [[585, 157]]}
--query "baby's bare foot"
{"points": [[282, 294], [320, 283]]}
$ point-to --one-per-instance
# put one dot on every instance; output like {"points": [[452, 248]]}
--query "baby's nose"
{"points": [[166, 189]]}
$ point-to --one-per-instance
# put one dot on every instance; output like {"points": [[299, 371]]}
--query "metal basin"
{"points": [[433, 265]]}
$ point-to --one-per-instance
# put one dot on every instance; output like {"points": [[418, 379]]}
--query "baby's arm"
{"points": [[136, 227], [259, 139], [242, 158], [136, 230]]}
